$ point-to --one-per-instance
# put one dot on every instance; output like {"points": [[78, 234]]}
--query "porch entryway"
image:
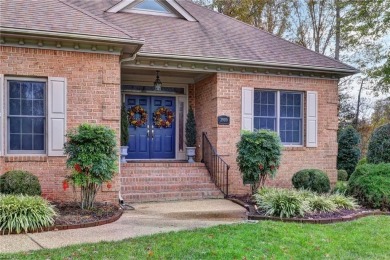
{"points": [[154, 136]]}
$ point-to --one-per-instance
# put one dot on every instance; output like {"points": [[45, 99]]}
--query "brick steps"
{"points": [[166, 181]]}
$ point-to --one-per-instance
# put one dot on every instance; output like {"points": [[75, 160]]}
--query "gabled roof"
{"points": [[213, 36], [55, 16]]}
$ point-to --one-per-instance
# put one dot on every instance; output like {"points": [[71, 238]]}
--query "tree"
{"points": [[269, 15], [259, 155], [92, 156], [348, 152]]}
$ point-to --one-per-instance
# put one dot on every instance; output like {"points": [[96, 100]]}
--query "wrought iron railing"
{"points": [[217, 167]]}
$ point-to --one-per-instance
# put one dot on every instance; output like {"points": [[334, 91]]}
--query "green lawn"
{"points": [[367, 238]]}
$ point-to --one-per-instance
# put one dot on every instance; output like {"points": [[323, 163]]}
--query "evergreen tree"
{"points": [[190, 129], [349, 152]]}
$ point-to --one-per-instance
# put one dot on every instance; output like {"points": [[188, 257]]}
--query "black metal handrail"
{"points": [[217, 167]]}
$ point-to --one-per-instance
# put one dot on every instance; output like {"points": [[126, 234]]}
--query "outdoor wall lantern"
{"points": [[157, 82]]}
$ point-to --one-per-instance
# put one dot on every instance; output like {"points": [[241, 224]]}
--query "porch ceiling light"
{"points": [[157, 82]]}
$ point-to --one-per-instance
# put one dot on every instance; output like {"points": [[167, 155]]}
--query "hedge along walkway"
{"points": [[147, 219]]}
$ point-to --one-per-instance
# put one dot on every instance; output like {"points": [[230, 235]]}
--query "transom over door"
{"points": [[152, 140]]}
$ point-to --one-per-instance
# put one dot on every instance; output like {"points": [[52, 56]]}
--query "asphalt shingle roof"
{"points": [[213, 35], [55, 16]]}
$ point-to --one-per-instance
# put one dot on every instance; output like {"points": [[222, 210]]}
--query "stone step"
{"points": [[171, 196]]}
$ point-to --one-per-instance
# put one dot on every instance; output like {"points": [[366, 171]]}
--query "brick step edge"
{"points": [[321, 221], [159, 197], [114, 218]]}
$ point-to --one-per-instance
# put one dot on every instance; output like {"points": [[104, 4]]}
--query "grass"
{"points": [[366, 238]]}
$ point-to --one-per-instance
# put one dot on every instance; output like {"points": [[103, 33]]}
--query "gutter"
{"points": [[238, 62], [72, 36]]}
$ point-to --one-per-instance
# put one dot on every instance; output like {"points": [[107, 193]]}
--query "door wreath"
{"points": [[159, 121], [132, 112]]}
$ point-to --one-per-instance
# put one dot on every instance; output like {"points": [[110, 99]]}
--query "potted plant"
{"points": [[124, 133], [191, 135]]}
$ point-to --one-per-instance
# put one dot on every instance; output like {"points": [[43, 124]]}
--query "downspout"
{"points": [[120, 198]]}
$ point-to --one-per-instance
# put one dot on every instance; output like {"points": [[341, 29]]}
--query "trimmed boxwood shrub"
{"points": [[379, 146], [342, 175], [24, 213], [348, 152], [311, 179], [19, 182], [370, 185]]}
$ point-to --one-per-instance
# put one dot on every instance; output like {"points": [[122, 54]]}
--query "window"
{"points": [[151, 5], [280, 111], [26, 116]]}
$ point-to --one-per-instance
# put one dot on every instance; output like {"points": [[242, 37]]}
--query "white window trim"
{"points": [[171, 5], [278, 113], [6, 121]]}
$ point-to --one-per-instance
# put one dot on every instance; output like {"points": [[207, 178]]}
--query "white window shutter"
{"points": [[247, 108], [312, 119], [2, 86], [56, 116]]}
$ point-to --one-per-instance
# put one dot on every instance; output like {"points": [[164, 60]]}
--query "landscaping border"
{"points": [[114, 218], [252, 216]]}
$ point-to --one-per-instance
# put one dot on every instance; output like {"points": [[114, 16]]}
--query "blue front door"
{"points": [[155, 138]]}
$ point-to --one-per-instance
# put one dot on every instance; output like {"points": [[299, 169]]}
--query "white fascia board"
{"points": [[119, 6], [181, 11]]}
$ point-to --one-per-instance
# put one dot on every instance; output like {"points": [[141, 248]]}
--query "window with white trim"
{"points": [[26, 116], [280, 111]]}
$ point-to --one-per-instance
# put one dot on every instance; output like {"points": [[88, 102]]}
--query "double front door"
{"points": [[152, 127]]}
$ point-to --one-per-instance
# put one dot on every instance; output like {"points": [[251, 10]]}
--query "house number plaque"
{"points": [[223, 120]]}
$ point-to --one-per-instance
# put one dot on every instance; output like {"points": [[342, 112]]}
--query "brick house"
{"points": [[68, 62]]}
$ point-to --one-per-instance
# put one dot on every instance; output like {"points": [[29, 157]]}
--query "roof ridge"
{"points": [[275, 36], [96, 18]]}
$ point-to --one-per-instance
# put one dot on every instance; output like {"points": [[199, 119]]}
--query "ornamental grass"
{"points": [[20, 213]]}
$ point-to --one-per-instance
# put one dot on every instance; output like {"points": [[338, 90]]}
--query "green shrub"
{"points": [[340, 188], [342, 175], [343, 202], [281, 202], [379, 145], [311, 179], [124, 126], [92, 156], [190, 129], [19, 182], [348, 152], [370, 185], [321, 204], [22, 213], [259, 156], [362, 161]]}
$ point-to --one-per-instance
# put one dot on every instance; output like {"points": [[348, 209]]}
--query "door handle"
{"points": [[147, 131], [152, 132]]}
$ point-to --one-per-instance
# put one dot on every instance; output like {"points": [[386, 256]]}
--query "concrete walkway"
{"points": [[146, 219]]}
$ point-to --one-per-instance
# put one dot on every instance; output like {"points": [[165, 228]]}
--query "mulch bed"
{"points": [[70, 213], [315, 217], [71, 216]]}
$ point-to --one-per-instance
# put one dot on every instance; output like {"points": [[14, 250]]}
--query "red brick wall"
{"points": [[220, 94], [205, 109], [93, 97]]}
